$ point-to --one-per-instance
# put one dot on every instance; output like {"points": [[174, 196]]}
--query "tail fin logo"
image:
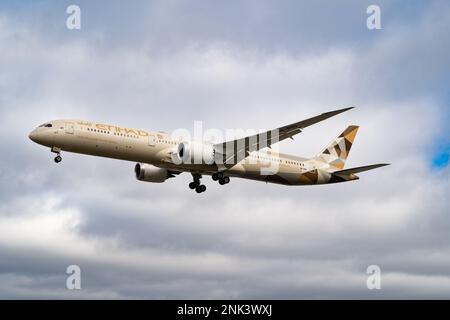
{"points": [[337, 151]]}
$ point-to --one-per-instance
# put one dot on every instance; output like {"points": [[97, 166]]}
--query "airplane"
{"points": [[160, 156]]}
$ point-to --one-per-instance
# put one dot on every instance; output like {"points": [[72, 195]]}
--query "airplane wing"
{"points": [[231, 152], [346, 172]]}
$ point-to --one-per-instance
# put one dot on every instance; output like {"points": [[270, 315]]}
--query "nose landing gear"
{"points": [[58, 157]]}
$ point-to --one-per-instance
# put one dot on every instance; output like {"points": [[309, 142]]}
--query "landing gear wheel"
{"points": [[194, 184], [200, 188], [58, 159], [224, 180], [215, 177]]}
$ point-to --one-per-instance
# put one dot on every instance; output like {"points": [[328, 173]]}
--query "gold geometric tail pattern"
{"points": [[337, 151]]}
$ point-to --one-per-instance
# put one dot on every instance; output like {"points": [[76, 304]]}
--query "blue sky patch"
{"points": [[441, 159]]}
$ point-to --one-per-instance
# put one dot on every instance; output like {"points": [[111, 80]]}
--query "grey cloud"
{"points": [[244, 240]]}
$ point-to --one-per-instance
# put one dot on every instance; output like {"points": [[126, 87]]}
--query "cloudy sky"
{"points": [[162, 65]]}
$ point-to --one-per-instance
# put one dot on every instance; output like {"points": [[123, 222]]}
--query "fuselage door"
{"points": [[69, 128], [151, 140]]}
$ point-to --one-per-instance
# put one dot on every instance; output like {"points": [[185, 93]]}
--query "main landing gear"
{"points": [[222, 179], [58, 157], [199, 188]]}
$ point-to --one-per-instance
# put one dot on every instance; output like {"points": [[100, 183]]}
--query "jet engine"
{"points": [[150, 173], [194, 152]]}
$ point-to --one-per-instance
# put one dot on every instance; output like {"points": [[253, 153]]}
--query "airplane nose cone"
{"points": [[32, 135]]}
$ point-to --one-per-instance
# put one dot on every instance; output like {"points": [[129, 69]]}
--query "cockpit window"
{"points": [[47, 125]]}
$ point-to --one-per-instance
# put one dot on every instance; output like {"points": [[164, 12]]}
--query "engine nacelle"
{"points": [[194, 152], [150, 173]]}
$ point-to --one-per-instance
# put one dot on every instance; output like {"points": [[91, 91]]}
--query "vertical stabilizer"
{"points": [[337, 151]]}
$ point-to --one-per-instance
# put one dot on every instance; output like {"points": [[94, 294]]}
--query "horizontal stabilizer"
{"points": [[359, 169]]}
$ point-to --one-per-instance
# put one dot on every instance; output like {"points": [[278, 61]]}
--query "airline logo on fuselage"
{"points": [[116, 129]]}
